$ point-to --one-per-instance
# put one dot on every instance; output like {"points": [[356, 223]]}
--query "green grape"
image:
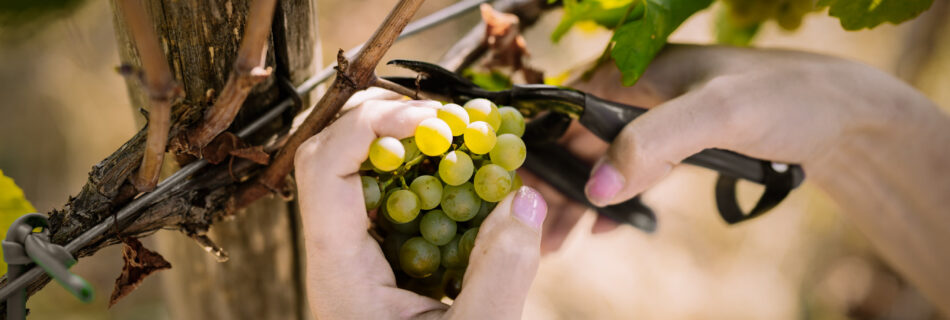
{"points": [[509, 152], [456, 168], [437, 228], [428, 189], [492, 182], [386, 153], [455, 116], [460, 203], [411, 150], [452, 282], [479, 137], [483, 212], [511, 121], [371, 194], [433, 136], [450, 253], [419, 258], [402, 206], [467, 243], [516, 182], [483, 110]]}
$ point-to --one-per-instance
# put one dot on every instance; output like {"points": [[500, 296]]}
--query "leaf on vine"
{"points": [[606, 13], [227, 144], [139, 263], [732, 31], [13, 204], [859, 14], [637, 42]]}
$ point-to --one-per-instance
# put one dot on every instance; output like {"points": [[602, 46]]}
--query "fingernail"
{"points": [[604, 183], [529, 207]]}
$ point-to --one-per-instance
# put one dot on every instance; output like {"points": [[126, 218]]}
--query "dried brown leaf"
{"points": [[255, 153], [139, 263]]}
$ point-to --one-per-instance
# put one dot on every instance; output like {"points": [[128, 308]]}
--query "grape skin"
{"points": [[511, 121], [460, 203], [437, 228], [402, 206], [419, 258], [433, 136], [483, 110], [456, 168], [479, 137], [455, 116], [429, 191], [371, 193], [509, 152], [450, 253], [467, 244], [386, 153], [492, 182]]}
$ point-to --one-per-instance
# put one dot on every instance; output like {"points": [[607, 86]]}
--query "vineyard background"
{"points": [[65, 108]]}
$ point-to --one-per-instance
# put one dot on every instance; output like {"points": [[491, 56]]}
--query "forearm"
{"points": [[891, 175]]}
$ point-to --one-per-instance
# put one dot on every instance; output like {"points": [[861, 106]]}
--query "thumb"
{"points": [[504, 261], [648, 148]]}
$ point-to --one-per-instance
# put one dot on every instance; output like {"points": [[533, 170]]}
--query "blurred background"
{"points": [[63, 108]]}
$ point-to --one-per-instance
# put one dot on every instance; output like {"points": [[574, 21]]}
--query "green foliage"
{"points": [[859, 14], [788, 13], [607, 13], [492, 80], [13, 204], [637, 42], [33, 13], [731, 31]]}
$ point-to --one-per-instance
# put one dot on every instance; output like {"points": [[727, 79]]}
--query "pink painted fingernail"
{"points": [[529, 207], [604, 183]]}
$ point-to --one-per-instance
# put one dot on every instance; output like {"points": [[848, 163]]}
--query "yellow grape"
{"points": [[455, 116], [433, 137], [511, 121], [456, 168], [386, 153], [479, 137], [483, 110], [509, 152]]}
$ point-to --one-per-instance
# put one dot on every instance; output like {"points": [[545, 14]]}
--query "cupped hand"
{"points": [[347, 274]]}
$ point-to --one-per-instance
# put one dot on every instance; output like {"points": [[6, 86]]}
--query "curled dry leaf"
{"points": [[506, 46], [139, 263], [227, 144]]}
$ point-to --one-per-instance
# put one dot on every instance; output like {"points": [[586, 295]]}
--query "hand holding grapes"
{"points": [[348, 275]]}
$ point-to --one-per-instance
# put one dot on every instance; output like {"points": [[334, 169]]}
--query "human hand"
{"points": [[347, 274]]}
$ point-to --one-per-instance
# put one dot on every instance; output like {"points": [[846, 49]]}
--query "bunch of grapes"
{"points": [[434, 190]]}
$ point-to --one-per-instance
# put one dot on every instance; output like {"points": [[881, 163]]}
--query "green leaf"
{"points": [[493, 81], [606, 13], [637, 42], [730, 31], [859, 14], [13, 204]]}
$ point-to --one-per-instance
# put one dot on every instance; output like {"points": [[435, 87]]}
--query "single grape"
{"points": [[419, 258], [516, 182], [511, 121], [509, 152], [411, 150], [428, 189], [402, 206], [456, 168], [492, 182], [479, 137], [450, 253], [455, 116], [371, 193], [452, 282], [433, 136], [483, 212], [437, 228], [409, 228], [483, 110], [467, 243], [386, 153], [460, 203]]}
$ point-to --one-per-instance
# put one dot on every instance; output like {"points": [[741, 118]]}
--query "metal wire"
{"points": [[131, 210]]}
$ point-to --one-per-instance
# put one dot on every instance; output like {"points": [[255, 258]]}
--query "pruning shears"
{"points": [[605, 119]]}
